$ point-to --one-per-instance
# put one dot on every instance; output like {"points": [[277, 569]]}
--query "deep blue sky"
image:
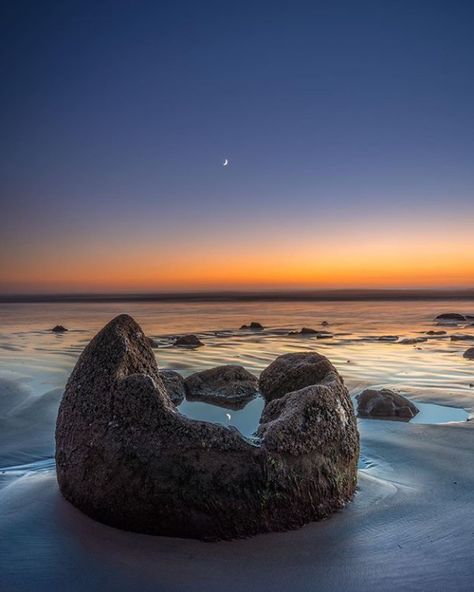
{"points": [[116, 116]]}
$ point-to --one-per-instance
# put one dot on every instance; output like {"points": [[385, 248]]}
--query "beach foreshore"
{"points": [[410, 527]]}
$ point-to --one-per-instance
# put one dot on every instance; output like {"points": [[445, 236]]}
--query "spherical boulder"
{"points": [[125, 456]]}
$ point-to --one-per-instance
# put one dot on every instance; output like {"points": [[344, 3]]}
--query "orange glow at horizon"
{"points": [[289, 262]]}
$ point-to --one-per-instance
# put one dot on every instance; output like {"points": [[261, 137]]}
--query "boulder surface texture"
{"points": [[126, 457], [384, 403], [225, 385]]}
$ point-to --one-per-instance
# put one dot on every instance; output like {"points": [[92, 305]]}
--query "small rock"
{"points": [[388, 338], [435, 332], [413, 340], [59, 329], [230, 386], [385, 403], [450, 316], [309, 331], [254, 326], [469, 355], [174, 385], [188, 341], [324, 323], [462, 337]]}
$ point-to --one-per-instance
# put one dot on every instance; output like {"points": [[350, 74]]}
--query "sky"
{"points": [[348, 126]]}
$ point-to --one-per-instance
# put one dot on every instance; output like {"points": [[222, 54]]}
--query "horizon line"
{"points": [[343, 294]]}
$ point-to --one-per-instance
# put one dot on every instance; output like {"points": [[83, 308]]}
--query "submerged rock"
{"points": [[126, 457], [59, 329], [436, 332], [318, 334], [292, 372], [174, 385], [469, 353], [412, 340], [450, 316], [462, 337], [308, 331], [229, 386], [385, 403], [254, 326], [188, 341], [388, 338]]}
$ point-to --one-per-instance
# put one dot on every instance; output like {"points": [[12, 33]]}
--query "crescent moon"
{"points": [[225, 163]]}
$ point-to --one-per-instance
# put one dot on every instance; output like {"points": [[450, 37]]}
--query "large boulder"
{"points": [[174, 385], [385, 403], [229, 386], [291, 372], [126, 457]]}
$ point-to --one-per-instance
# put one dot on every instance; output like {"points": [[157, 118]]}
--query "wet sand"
{"points": [[410, 527]]}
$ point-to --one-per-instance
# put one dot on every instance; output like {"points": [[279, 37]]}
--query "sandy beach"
{"points": [[409, 526]]}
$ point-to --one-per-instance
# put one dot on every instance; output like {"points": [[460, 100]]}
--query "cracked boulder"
{"points": [[126, 457]]}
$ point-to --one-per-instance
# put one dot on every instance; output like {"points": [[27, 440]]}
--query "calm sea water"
{"points": [[35, 363]]}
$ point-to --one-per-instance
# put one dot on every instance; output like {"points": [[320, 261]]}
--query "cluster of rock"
{"points": [[126, 457]]}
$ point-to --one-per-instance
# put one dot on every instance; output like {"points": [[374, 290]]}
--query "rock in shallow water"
{"points": [[462, 337], [385, 403], [450, 316], [126, 457], [412, 340], [254, 326], [230, 386], [188, 341], [58, 329], [469, 354]]}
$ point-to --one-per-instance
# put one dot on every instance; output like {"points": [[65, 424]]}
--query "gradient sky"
{"points": [[349, 127]]}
